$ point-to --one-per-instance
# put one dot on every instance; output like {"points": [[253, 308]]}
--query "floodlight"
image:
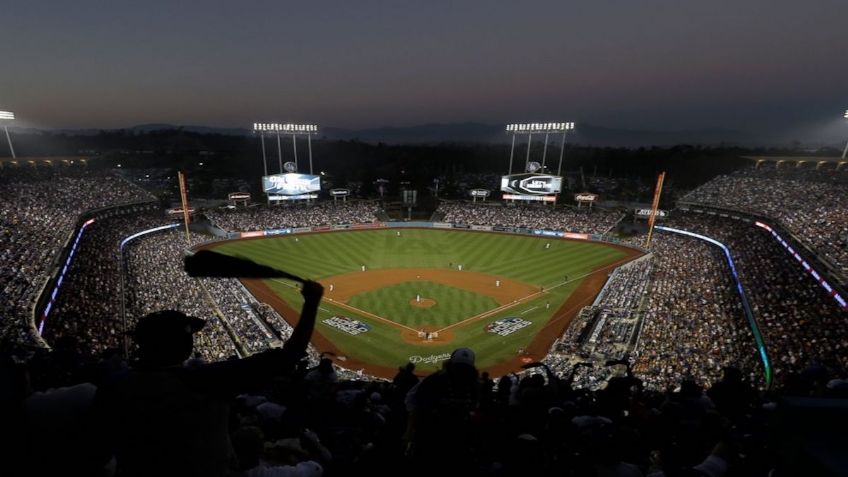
{"points": [[846, 114], [7, 115], [287, 128], [533, 128]]}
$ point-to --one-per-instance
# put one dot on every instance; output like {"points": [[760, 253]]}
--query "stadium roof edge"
{"points": [[794, 158]]}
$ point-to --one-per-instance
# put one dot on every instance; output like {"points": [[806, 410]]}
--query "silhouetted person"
{"points": [[164, 418], [732, 395], [405, 379], [440, 413]]}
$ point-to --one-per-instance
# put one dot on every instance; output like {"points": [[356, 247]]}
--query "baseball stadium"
{"points": [[307, 239], [419, 293], [739, 278]]}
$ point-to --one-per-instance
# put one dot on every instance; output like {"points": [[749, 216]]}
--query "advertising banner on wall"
{"points": [[273, 197], [585, 197], [661, 214], [372, 225], [539, 198]]}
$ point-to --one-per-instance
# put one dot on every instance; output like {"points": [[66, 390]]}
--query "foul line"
{"points": [[370, 315], [357, 310], [485, 314], [501, 308]]}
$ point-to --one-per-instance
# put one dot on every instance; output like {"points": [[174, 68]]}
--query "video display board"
{"points": [[531, 184], [290, 184]]}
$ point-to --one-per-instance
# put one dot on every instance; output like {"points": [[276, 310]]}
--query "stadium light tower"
{"points": [[6, 116], [262, 141], [294, 129], [538, 128], [844, 151]]}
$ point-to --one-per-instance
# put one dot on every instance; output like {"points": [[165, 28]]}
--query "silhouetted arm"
{"points": [[233, 377], [299, 339]]}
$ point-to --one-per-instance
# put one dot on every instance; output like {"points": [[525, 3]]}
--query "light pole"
{"points": [[8, 116], [844, 151], [566, 127], [294, 130]]}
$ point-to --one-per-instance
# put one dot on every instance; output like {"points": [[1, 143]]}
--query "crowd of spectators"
{"points": [[311, 421], [802, 325], [235, 303], [688, 404], [295, 215], [694, 324], [156, 281], [690, 321], [604, 331], [586, 220], [811, 203], [39, 210], [87, 312]]}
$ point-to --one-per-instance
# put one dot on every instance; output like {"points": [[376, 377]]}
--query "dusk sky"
{"points": [[767, 65]]}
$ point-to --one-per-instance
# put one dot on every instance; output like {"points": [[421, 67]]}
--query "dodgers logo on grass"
{"points": [[433, 358]]}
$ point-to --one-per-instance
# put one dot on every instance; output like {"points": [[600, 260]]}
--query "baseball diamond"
{"points": [[503, 275]]}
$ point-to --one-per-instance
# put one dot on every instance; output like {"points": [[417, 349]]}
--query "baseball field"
{"points": [[399, 295]]}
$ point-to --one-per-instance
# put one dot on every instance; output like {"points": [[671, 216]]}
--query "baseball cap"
{"points": [[462, 356], [165, 323]]}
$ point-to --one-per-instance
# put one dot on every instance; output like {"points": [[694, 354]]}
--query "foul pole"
{"points": [[184, 199], [654, 206]]}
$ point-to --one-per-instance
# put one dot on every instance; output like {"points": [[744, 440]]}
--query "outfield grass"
{"points": [[522, 258]]}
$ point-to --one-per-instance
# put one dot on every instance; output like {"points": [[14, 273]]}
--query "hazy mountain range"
{"points": [[470, 132]]}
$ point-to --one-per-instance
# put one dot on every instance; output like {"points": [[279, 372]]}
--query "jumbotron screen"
{"points": [[291, 184], [531, 184]]}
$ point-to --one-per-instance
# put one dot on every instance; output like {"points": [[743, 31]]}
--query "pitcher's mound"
{"points": [[424, 303]]}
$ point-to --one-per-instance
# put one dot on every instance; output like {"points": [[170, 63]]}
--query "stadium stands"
{"points": [[802, 326], [156, 281], [694, 324], [694, 404], [321, 213], [88, 310], [598, 221], [39, 209], [811, 203]]}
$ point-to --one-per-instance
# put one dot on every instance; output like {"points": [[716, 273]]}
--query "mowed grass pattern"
{"points": [[452, 304], [523, 258]]}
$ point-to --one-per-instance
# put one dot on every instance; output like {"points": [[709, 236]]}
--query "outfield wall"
{"points": [[440, 225]]}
